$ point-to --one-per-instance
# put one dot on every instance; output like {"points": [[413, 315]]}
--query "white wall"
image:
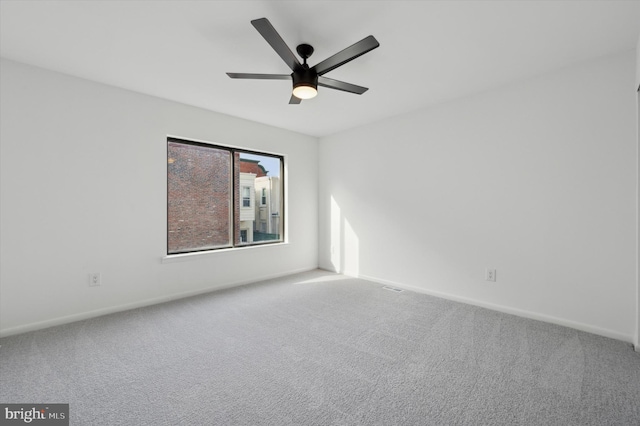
{"points": [[638, 63], [637, 337], [536, 180], [83, 189]]}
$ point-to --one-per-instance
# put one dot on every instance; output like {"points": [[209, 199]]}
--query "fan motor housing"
{"points": [[305, 77]]}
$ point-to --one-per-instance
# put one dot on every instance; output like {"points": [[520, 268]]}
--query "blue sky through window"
{"points": [[271, 164]]}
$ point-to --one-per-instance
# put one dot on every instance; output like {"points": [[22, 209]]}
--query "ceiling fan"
{"points": [[307, 79]]}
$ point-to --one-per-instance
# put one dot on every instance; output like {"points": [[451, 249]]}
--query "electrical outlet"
{"points": [[490, 275], [94, 279]]}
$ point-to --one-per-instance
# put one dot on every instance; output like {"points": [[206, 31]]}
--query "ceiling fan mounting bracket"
{"points": [[305, 51]]}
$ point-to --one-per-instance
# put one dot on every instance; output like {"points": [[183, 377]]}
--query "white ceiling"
{"points": [[430, 51]]}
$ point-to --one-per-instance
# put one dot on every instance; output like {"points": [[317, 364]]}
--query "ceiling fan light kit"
{"points": [[305, 84], [307, 79]]}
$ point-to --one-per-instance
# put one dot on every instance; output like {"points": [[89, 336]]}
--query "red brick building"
{"points": [[252, 166]]}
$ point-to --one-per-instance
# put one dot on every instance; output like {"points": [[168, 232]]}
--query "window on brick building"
{"points": [[210, 190]]}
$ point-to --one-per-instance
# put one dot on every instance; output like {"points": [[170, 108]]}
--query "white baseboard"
{"points": [[139, 304], [509, 310]]}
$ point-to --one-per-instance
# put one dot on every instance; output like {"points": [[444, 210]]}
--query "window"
{"points": [[210, 190], [263, 199], [246, 196]]}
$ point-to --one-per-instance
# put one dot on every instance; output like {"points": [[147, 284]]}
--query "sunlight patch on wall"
{"points": [[336, 230], [344, 245]]}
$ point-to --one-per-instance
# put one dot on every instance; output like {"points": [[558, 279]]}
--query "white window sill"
{"points": [[183, 257]]}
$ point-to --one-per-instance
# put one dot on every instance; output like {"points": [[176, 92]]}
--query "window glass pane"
{"points": [[262, 219], [199, 197], [246, 196]]}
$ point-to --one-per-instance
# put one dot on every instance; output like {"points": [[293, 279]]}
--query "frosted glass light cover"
{"points": [[304, 92]]}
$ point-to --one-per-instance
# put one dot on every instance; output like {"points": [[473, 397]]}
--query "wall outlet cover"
{"points": [[490, 275], [94, 279]]}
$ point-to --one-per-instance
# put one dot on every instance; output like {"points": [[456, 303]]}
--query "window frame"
{"points": [[235, 227]]}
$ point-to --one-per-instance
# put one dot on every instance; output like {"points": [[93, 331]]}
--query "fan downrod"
{"points": [[304, 50]]}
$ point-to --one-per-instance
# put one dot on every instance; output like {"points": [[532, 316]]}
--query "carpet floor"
{"points": [[322, 349]]}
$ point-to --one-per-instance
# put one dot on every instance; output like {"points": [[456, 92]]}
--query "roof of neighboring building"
{"points": [[252, 166]]}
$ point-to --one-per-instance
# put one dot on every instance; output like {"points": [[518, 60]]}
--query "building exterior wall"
{"points": [[199, 184], [247, 213], [268, 214]]}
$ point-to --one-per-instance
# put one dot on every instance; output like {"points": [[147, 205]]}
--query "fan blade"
{"points": [[294, 100], [260, 76], [341, 85], [270, 34], [349, 54]]}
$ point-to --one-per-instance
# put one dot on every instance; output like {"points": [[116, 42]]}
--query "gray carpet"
{"points": [[319, 349]]}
